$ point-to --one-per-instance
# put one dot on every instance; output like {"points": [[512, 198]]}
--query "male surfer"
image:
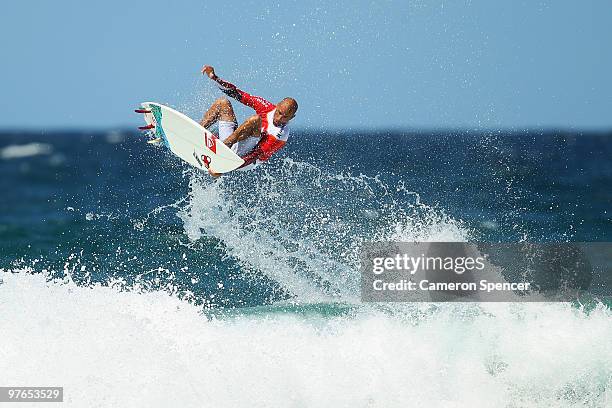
{"points": [[258, 137]]}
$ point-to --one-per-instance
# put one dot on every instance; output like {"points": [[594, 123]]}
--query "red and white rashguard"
{"points": [[272, 138]]}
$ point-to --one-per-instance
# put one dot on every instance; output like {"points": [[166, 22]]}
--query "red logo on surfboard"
{"points": [[211, 142]]}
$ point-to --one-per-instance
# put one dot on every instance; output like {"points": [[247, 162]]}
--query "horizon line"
{"points": [[322, 129]]}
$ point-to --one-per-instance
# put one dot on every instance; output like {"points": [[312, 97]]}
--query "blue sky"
{"points": [[350, 64]]}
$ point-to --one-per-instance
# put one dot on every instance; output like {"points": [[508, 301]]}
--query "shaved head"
{"points": [[285, 111], [290, 104]]}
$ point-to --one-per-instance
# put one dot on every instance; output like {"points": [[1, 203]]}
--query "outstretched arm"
{"points": [[256, 102]]}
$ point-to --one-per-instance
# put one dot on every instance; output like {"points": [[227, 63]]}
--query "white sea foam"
{"points": [[124, 349], [25, 150]]}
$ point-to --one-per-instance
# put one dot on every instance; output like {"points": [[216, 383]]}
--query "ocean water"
{"points": [[133, 280]]}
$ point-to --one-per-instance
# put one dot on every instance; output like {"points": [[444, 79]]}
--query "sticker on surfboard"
{"points": [[211, 142]]}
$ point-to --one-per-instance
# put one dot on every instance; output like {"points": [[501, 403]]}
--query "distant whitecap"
{"points": [[115, 137], [25, 150]]}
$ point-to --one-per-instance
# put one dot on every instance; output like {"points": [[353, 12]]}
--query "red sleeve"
{"points": [[256, 102]]}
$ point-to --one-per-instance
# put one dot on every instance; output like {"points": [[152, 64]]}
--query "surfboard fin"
{"points": [[151, 126], [142, 111], [155, 141]]}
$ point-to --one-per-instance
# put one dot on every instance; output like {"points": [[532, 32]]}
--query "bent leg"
{"points": [[250, 128], [220, 110]]}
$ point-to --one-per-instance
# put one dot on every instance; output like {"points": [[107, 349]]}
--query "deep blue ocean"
{"points": [[128, 270]]}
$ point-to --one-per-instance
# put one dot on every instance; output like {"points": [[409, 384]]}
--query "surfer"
{"points": [[258, 137]]}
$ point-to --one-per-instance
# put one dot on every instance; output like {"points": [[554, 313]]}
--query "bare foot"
{"points": [[212, 173]]}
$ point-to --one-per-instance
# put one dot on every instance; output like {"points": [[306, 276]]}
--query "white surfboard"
{"points": [[189, 140]]}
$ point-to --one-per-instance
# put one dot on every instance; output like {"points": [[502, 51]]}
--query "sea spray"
{"points": [[304, 227]]}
